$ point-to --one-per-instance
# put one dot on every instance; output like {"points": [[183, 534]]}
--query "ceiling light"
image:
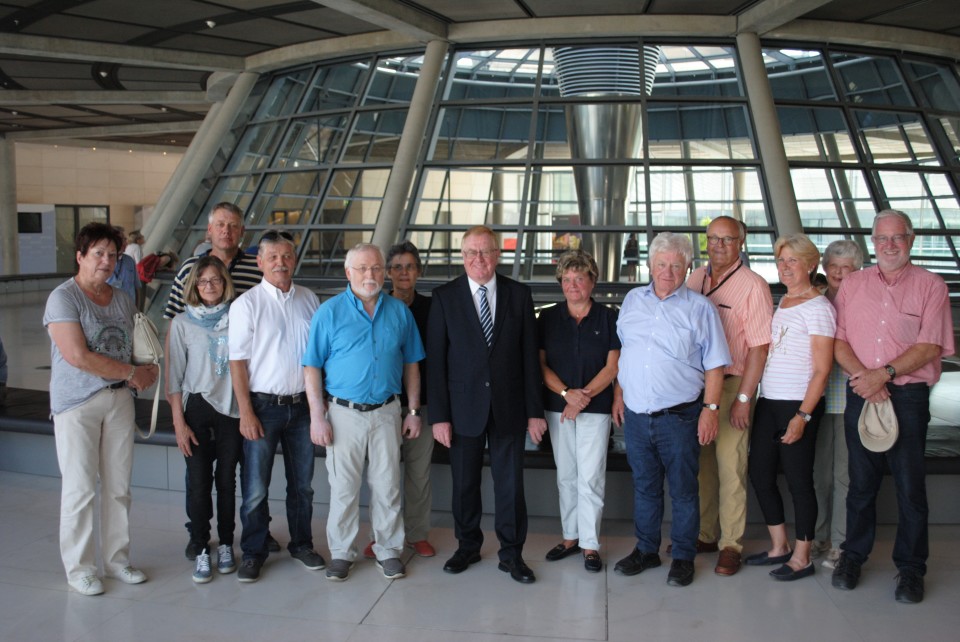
{"points": [[14, 113], [104, 74], [211, 24]]}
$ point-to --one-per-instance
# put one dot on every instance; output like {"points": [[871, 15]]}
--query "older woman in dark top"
{"points": [[579, 350]]}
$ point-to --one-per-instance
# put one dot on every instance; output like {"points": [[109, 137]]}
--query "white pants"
{"points": [[580, 451], [375, 436], [95, 441]]}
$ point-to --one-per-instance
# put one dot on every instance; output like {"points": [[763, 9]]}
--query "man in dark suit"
{"points": [[484, 385]]}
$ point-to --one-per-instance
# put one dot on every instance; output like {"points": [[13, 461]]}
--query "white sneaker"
{"points": [[87, 585], [202, 574], [130, 575], [831, 559], [225, 561]]}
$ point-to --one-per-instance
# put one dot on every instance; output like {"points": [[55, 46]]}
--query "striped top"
{"points": [[790, 360], [243, 270], [745, 305]]}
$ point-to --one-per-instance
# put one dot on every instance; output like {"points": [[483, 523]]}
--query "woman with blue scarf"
{"points": [[205, 413]]}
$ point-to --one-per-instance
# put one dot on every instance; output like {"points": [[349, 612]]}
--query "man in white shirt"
{"points": [[269, 325]]}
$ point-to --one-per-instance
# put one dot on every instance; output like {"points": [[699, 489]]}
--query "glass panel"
{"points": [[551, 133], [494, 74], [235, 189], [796, 74], [937, 83], [375, 136], [951, 128], [814, 134], [475, 196], [895, 137], [695, 70], [392, 82], [483, 133], [256, 148], [312, 142], [283, 95], [698, 131], [690, 197], [323, 252], [832, 198], [287, 199], [871, 80], [335, 87], [354, 197]]}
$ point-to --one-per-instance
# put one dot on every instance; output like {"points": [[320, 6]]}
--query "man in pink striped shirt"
{"points": [[893, 327], [743, 299]]}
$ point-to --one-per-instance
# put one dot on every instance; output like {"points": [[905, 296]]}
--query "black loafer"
{"points": [[460, 561], [636, 562], [518, 570], [846, 574], [560, 551], [591, 562], [763, 559], [787, 574], [909, 587], [681, 573]]}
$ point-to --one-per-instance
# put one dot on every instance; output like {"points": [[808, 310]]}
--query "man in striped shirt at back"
{"points": [[225, 230], [745, 305]]}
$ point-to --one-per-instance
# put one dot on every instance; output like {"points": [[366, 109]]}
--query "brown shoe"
{"points": [[728, 563], [702, 547]]}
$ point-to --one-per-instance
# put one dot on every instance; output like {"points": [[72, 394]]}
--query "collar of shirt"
{"points": [[896, 281], [275, 292], [357, 302], [491, 294], [709, 270], [683, 292]]}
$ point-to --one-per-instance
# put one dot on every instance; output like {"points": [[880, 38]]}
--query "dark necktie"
{"points": [[486, 321]]}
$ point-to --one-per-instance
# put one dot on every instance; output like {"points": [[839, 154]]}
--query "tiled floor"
{"points": [[480, 605]]}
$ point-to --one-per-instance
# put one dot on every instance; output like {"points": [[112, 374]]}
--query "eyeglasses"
{"points": [[403, 267], [722, 240], [209, 283], [472, 254], [896, 239], [272, 236], [373, 269]]}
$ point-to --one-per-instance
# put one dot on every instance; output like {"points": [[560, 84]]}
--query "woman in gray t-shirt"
{"points": [[91, 330]]}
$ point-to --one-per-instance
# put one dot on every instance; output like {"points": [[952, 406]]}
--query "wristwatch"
{"points": [[742, 398], [563, 393], [891, 371], [711, 406], [413, 412], [805, 416]]}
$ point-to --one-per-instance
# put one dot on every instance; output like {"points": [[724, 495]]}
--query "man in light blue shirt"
{"points": [[365, 342], [666, 397]]}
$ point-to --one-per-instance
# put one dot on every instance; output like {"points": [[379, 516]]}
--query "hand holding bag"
{"points": [[147, 350]]}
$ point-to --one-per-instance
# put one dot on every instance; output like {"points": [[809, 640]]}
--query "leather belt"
{"points": [[680, 407], [280, 400], [362, 407], [117, 386]]}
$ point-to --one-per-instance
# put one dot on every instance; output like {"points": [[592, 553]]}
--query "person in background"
{"points": [[404, 267], [91, 380], [205, 414], [125, 272], [579, 349], [894, 325], [631, 254], [830, 477], [134, 247], [790, 407]]}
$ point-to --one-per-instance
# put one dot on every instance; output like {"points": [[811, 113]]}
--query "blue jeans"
{"points": [[911, 403], [290, 427], [665, 447]]}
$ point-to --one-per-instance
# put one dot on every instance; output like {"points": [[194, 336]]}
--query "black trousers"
{"points": [[215, 459], [506, 468], [768, 454]]}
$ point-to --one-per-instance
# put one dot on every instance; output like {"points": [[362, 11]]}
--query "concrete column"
{"points": [[9, 238], [773, 155], [404, 164], [206, 143]]}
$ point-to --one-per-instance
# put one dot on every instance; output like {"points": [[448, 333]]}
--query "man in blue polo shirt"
{"points": [[365, 342]]}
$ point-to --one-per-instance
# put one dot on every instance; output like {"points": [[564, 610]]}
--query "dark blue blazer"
{"points": [[466, 380]]}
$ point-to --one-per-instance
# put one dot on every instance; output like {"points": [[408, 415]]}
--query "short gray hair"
{"points": [[882, 214], [843, 249], [670, 242], [362, 247]]}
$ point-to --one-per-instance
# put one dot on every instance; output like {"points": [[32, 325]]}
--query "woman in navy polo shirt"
{"points": [[579, 350]]}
